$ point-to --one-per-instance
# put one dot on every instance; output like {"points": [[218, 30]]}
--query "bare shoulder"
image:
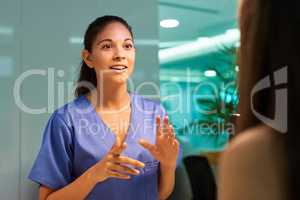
{"points": [[253, 164], [260, 139], [250, 149]]}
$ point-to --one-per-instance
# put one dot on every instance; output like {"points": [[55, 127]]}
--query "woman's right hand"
{"points": [[113, 165]]}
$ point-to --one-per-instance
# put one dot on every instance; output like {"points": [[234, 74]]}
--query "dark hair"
{"points": [[87, 74], [269, 41], [253, 59]]}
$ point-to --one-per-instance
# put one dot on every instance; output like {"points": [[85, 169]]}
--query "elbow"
{"points": [[45, 193], [47, 197], [165, 195]]}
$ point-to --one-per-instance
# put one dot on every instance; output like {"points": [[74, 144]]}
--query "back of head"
{"points": [[270, 38]]}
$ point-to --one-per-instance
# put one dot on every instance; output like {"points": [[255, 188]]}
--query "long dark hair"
{"points": [[270, 40], [87, 75]]}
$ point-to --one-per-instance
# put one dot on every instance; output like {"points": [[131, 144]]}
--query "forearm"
{"points": [[166, 181], [78, 189]]}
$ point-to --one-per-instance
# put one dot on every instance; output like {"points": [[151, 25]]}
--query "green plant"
{"points": [[224, 105]]}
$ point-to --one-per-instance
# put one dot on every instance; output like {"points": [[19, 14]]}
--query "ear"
{"points": [[87, 58]]}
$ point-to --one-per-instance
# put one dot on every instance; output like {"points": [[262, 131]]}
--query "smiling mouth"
{"points": [[118, 68]]}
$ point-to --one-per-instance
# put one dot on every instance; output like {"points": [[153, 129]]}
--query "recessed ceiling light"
{"points": [[169, 23], [210, 73], [4, 30], [237, 68], [76, 40]]}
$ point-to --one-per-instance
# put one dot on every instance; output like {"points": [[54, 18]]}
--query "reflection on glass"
{"points": [[198, 75], [6, 66]]}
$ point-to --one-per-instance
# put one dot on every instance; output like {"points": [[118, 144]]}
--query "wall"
{"points": [[35, 35]]}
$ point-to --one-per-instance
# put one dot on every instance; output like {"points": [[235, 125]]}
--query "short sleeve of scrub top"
{"points": [[53, 165], [76, 138]]}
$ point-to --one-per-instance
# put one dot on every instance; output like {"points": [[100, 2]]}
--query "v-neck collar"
{"points": [[110, 135]]}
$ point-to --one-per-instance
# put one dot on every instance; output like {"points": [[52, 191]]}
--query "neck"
{"points": [[110, 97]]}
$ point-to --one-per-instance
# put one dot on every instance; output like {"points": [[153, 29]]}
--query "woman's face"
{"points": [[113, 54]]}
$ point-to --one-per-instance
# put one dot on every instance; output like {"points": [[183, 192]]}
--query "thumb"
{"points": [[150, 147], [118, 146]]}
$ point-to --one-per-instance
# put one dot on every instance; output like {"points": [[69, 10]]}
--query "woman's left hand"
{"points": [[166, 147]]}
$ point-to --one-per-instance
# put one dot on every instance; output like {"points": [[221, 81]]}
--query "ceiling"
{"points": [[198, 18]]}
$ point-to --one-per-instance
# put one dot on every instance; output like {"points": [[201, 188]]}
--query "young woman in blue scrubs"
{"points": [[107, 143]]}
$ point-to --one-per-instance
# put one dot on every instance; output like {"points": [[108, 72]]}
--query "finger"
{"points": [[168, 132], [171, 131], [158, 125], [121, 149], [124, 169], [151, 148], [166, 123], [175, 143], [114, 174], [117, 152], [129, 161], [117, 143], [118, 147]]}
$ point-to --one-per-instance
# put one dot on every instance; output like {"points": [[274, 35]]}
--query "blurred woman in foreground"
{"points": [[263, 161]]}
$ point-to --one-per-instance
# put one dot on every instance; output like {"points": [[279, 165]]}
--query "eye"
{"points": [[106, 46], [128, 46]]}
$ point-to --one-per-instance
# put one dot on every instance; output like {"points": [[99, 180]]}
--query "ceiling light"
{"points": [[203, 39], [76, 40], [200, 47], [210, 73], [233, 32], [169, 23], [237, 68], [4, 30]]}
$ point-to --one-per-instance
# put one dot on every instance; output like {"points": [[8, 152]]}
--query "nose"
{"points": [[118, 58], [119, 54]]}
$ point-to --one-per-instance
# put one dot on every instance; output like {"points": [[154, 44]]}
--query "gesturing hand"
{"points": [[166, 146], [116, 166]]}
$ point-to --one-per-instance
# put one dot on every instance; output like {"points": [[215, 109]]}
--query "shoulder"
{"points": [[65, 114], [253, 159], [255, 142]]}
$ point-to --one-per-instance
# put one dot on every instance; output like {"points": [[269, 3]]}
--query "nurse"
{"points": [[107, 143]]}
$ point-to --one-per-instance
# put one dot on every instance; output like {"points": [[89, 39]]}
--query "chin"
{"points": [[120, 79]]}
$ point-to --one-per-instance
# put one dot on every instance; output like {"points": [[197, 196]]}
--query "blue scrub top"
{"points": [[76, 138]]}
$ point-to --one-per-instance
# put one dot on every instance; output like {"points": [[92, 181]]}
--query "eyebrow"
{"points": [[110, 40]]}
